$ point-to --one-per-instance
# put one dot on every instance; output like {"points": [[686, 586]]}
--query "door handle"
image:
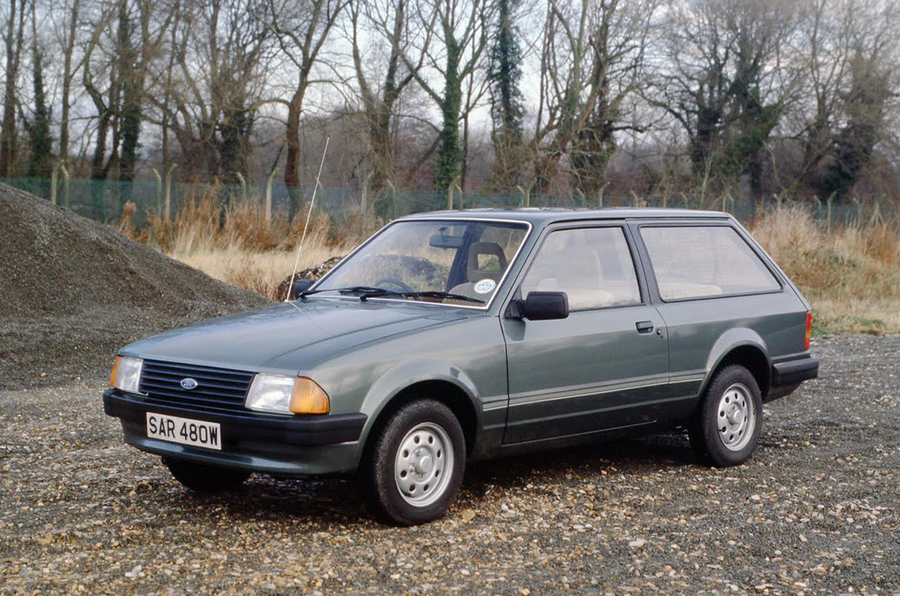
{"points": [[644, 326]]}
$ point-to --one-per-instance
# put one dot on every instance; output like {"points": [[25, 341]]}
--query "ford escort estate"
{"points": [[457, 336]]}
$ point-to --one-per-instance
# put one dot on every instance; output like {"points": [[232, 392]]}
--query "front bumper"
{"points": [[285, 446]]}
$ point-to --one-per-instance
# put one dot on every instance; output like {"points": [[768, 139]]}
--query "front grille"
{"points": [[217, 388]]}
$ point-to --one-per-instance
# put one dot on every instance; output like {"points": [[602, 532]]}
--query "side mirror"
{"points": [[541, 306], [301, 285]]}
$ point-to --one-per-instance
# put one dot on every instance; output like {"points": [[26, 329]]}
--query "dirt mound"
{"points": [[312, 274], [73, 290]]}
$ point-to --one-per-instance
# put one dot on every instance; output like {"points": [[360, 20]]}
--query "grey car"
{"points": [[458, 336]]}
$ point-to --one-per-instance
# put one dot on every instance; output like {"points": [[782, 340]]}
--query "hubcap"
{"points": [[736, 419], [423, 464]]}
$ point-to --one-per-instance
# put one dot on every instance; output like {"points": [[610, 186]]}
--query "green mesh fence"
{"points": [[104, 200]]}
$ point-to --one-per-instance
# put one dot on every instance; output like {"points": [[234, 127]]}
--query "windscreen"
{"points": [[466, 258]]}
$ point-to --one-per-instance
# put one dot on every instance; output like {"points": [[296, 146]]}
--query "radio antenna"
{"points": [[306, 225]]}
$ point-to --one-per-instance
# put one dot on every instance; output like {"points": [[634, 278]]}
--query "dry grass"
{"points": [[850, 276], [260, 272], [236, 246]]}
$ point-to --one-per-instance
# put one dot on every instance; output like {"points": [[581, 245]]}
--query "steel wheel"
{"points": [[423, 464], [736, 417]]}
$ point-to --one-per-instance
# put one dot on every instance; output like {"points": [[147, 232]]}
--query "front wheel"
{"points": [[205, 479], [726, 427], [415, 466]]}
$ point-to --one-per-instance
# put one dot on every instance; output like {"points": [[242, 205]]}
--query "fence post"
{"points": [[581, 200], [600, 195], [54, 177], [65, 173], [362, 197], [243, 182], [268, 209], [450, 193], [876, 218], [526, 193], [637, 200], [393, 198], [858, 212], [167, 205], [828, 212], [158, 190]]}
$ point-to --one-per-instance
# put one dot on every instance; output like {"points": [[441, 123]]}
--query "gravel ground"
{"points": [[815, 512]]}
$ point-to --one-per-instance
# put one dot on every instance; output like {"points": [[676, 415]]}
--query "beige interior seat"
{"points": [[674, 290], [474, 273], [579, 277]]}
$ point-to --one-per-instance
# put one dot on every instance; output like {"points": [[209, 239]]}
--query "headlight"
{"points": [[286, 395], [126, 374]]}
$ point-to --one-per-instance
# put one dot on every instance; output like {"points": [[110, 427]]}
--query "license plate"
{"points": [[184, 430]]}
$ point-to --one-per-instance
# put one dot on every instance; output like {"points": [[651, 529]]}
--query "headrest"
{"points": [[478, 249]]}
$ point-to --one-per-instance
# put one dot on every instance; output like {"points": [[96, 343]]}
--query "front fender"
{"points": [[408, 373]]}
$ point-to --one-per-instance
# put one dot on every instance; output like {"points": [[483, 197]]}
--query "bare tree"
{"points": [[507, 104], [725, 82], [851, 63], [460, 28], [302, 28], [390, 21], [38, 125], [222, 50], [592, 61], [70, 71], [13, 41]]}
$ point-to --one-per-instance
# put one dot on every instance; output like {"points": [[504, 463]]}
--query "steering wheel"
{"points": [[396, 282]]}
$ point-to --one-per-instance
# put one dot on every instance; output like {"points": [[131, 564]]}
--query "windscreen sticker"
{"points": [[485, 286]]}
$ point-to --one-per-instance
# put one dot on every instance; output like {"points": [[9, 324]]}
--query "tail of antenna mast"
{"points": [[306, 225]]}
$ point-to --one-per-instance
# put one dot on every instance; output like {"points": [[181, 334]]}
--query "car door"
{"points": [[599, 368]]}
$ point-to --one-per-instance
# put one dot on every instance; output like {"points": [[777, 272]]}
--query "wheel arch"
{"points": [[746, 348], [412, 381]]}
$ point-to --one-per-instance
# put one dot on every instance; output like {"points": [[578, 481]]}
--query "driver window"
{"points": [[593, 266]]}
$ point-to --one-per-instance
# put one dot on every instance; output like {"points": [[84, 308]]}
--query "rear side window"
{"points": [[703, 261], [593, 266]]}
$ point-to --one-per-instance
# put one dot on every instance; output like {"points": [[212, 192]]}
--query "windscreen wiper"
{"points": [[434, 294], [363, 291]]}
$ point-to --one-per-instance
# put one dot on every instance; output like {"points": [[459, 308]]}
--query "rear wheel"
{"points": [[415, 466], [726, 428], [205, 479]]}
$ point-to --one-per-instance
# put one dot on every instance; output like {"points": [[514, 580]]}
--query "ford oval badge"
{"points": [[189, 384]]}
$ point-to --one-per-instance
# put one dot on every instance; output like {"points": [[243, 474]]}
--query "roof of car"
{"points": [[544, 215]]}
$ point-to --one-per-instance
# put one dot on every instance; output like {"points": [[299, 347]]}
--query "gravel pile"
{"points": [[72, 291], [312, 273], [816, 511]]}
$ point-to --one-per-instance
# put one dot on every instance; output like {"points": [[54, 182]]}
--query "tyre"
{"points": [[726, 428], [415, 465], [205, 479]]}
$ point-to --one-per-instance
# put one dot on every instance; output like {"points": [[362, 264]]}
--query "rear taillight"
{"points": [[808, 329]]}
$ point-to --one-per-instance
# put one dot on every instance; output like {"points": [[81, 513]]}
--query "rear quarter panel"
{"points": [[703, 331]]}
